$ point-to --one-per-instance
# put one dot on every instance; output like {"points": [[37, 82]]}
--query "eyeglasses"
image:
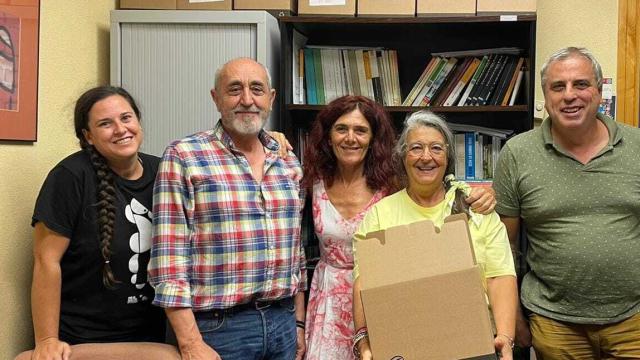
{"points": [[436, 149]]}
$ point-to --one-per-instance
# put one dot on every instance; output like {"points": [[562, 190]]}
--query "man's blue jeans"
{"points": [[251, 333]]}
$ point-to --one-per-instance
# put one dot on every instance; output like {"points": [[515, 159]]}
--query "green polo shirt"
{"points": [[582, 223]]}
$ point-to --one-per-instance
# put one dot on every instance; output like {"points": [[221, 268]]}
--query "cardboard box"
{"points": [[318, 7], [492, 7], [422, 293], [386, 8], [285, 5], [446, 8], [148, 4], [204, 4]]}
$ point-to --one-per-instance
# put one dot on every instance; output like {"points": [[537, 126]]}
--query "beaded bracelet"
{"points": [[360, 334], [509, 338]]}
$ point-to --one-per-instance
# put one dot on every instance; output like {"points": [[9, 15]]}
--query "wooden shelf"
{"points": [[398, 20], [414, 39], [437, 109]]}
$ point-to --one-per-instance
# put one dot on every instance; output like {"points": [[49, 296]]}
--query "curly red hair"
{"points": [[320, 163]]}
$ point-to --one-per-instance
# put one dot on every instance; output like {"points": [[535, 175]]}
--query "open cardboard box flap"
{"points": [[402, 253]]}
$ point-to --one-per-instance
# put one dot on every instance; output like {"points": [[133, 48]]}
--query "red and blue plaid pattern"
{"points": [[220, 238]]}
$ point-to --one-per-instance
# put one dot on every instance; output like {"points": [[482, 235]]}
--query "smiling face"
{"points": [[571, 93], [350, 137], [114, 129], [426, 171], [243, 97]]}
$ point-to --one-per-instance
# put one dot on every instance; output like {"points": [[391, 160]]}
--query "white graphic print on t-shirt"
{"points": [[140, 241]]}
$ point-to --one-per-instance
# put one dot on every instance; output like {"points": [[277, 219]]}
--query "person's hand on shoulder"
{"points": [[198, 350], [285, 146], [51, 349], [482, 200]]}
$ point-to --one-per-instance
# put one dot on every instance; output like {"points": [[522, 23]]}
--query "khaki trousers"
{"points": [[555, 340]]}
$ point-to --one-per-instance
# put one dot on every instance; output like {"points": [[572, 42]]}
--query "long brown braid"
{"points": [[106, 191]]}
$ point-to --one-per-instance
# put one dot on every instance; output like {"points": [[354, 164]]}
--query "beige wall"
{"points": [[589, 23], [74, 55]]}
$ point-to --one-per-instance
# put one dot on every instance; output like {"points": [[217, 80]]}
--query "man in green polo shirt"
{"points": [[575, 183]]}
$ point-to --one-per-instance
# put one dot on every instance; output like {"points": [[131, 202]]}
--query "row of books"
{"points": [[331, 72], [476, 155], [469, 78]]}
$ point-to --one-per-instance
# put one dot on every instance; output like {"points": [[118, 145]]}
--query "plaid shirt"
{"points": [[220, 238]]}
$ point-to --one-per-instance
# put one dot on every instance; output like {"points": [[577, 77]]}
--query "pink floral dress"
{"points": [[329, 323]]}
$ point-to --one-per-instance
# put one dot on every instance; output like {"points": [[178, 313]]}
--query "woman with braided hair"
{"points": [[92, 221]]}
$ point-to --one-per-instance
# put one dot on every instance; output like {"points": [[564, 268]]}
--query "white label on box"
{"points": [[327, 2], [204, 1], [508, 17]]}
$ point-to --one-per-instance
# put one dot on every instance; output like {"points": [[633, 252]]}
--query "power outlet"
{"points": [[539, 111]]}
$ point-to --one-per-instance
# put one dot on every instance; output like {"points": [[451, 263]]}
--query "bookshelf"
{"points": [[415, 39]]}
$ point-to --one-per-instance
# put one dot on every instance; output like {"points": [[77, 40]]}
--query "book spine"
{"points": [[466, 77], [492, 81], [516, 88], [298, 92], [472, 83], [347, 71], [310, 77], [512, 83], [451, 81], [375, 77], [433, 74], [317, 66], [474, 97], [503, 81], [419, 83], [362, 76], [460, 155], [328, 79], [470, 158], [353, 67], [438, 82], [479, 157], [395, 75]]}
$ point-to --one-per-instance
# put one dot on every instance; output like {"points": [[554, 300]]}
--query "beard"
{"points": [[246, 124]]}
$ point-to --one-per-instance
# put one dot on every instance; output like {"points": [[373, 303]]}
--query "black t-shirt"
{"points": [[89, 312]]}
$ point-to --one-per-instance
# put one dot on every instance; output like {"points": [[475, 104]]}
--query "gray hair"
{"points": [[218, 73], [425, 118], [568, 52]]}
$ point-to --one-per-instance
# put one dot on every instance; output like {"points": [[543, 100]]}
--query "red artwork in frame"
{"points": [[19, 28]]}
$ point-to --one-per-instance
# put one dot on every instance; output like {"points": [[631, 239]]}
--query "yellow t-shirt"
{"points": [[488, 233]]}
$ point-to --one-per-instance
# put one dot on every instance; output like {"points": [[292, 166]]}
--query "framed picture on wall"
{"points": [[19, 27]]}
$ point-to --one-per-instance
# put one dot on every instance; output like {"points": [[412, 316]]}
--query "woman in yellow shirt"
{"points": [[426, 151]]}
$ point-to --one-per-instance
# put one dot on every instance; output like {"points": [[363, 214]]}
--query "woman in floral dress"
{"points": [[348, 167]]}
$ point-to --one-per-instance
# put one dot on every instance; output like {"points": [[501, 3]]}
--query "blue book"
{"points": [[310, 77], [470, 156]]}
